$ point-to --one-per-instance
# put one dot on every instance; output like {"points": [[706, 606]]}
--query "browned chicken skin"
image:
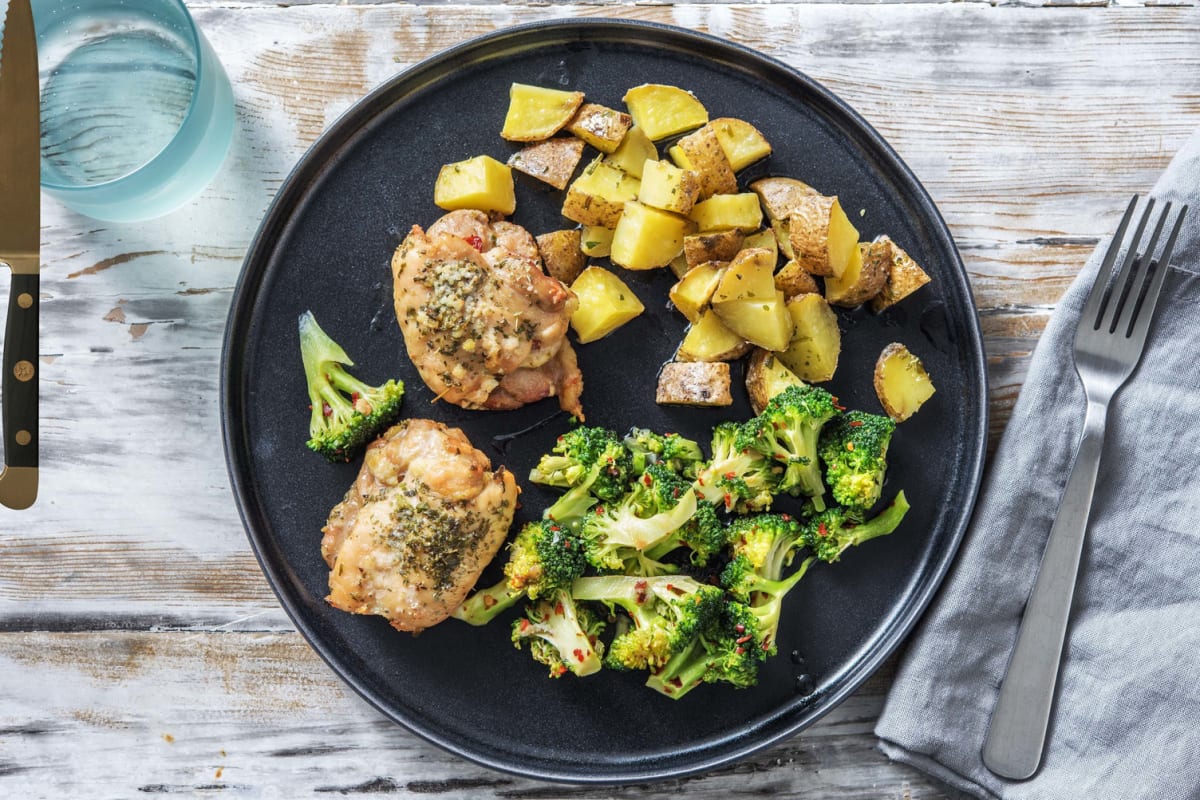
{"points": [[424, 517], [484, 326]]}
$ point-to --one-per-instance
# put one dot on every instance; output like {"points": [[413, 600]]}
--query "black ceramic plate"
{"points": [[326, 244]]}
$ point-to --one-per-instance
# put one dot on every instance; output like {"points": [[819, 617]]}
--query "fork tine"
{"points": [[1145, 311], [1104, 274], [1121, 281], [1130, 298]]}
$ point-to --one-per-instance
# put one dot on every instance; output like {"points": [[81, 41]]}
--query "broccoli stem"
{"points": [[484, 605]]}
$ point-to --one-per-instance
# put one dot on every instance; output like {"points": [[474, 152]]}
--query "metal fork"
{"points": [[1108, 345]]}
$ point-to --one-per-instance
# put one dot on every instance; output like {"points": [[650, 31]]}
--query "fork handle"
{"points": [[1017, 733]]}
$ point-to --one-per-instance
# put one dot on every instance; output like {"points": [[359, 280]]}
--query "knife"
{"points": [[20, 232]]}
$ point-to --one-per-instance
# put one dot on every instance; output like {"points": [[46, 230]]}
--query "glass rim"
{"points": [[192, 34]]}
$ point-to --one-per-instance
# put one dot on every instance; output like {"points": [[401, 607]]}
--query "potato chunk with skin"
{"points": [[904, 276], [812, 354], [862, 280], [595, 241], [605, 304], [481, 183], [761, 321], [822, 236], [561, 254], [663, 111], [536, 113], [716, 246], [747, 278], [766, 376], [765, 240], [635, 150], [780, 195], [694, 383], [667, 187], [722, 212], [694, 290], [552, 161], [708, 339], [601, 127], [598, 196], [646, 238], [901, 382], [794, 279], [742, 142], [704, 155]]}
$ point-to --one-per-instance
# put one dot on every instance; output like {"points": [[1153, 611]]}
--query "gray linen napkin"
{"points": [[1126, 721]]}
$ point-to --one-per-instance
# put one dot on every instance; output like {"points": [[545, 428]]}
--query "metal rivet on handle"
{"points": [[24, 299], [23, 437], [23, 370]]}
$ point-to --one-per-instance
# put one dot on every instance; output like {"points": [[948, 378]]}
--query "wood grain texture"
{"points": [[131, 606]]}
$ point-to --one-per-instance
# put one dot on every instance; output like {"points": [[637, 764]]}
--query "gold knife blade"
{"points": [[20, 235]]}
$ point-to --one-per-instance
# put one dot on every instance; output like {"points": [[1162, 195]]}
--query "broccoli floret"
{"points": [[787, 432], [738, 476], [854, 449], [562, 635], [669, 614], [570, 463], [543, 558], [730, 652], [658, 489], [834, 530], [703, 535], [762, 547], [346, 413], [616, 532], [681, 456]]}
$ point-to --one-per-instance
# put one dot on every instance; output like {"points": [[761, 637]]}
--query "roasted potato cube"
{"points": [[694, 383], [816, 343], [717, 246], [562, 255], [601, 127], [536, 113], [598, 196], [862, 280], [762, 321], [780, 195], [646, 237], [667, 187], [480, 183], [901, 382], [766, 376], [635, 150], [723, 212], [749, 277], [663, 111], [702, 152], [709, 340], [903, 275], [823, 238], [679, 157], [595, 241], [552, 161], [794, 279], [679, 266], [742, 142], [605, 304], [764, 240], [694, 290]]}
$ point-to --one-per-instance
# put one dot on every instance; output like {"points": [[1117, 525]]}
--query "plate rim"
{"points": [[309, 169]]}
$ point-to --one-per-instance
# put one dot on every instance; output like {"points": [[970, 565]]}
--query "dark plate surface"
{"points": [[326, 245]]}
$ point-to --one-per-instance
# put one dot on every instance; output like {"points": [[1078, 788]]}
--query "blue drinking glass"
{"points": [[137, 112]]}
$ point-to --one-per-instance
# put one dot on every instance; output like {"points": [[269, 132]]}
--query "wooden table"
{"points": [[141, 650]]}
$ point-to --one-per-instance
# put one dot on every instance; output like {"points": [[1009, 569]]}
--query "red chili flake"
{"points": [[837, 406], [354, 397], [327, 410], [555, 529], [745, 639], [646, 479], [578, 655], [766, 645], [489, 601], [560, 438], [850, 446], [730, 476], [675, 492], [676, 682], [856, 423], [786, 517], [524, 625], [728, 500], [740, 650], [475, 242], [640, 589], [699, 480], [822, 530], [599, 509], [560, 670], [740, 628], [558, 608]]}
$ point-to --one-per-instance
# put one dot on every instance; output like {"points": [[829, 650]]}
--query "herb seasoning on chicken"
{"points": [[424, 517], [484, 326]]}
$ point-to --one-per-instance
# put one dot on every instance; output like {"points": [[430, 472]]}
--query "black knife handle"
{"points": [[19, 386]]}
